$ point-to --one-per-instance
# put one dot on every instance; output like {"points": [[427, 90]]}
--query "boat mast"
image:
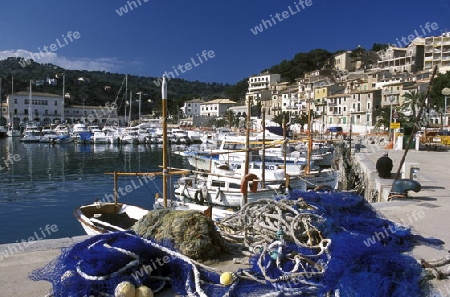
{"points": [[126, 94], [1, 103], [308, 153], [247, 150], [164, 127], [263, 173], [11, 119], [29, 104], [63, 98], [129, 116]]}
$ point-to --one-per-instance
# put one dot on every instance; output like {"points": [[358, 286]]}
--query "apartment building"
{"points": [[344, 62], [401, 59], [337, 106], [260, 89], [43, 107], [191, 108], [360, 110], [216, 107], [437, 52]]}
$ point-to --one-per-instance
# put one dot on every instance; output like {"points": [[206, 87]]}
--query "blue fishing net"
{"points": [[360, 254]]}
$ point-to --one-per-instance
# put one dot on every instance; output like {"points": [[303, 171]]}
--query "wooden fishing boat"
{"points": [[110, 216], [97, 218]]}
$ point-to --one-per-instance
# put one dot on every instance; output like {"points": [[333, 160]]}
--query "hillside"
{"points": [[100, 87]]}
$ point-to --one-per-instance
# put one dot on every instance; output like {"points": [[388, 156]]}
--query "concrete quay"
{"points": [[426, 212]]}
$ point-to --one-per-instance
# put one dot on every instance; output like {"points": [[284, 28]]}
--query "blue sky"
{"points": [[156, 36]]}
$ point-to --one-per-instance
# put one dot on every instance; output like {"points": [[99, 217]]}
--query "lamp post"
{"points": [[351, 126], [391, 99], [445, 92], [139, 113]]}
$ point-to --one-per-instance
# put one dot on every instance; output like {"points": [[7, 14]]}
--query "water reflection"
{"points": [[44, 183]]}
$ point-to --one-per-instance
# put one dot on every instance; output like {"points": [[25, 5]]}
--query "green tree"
{"points": [[279, 118], [230, 117], [382, 115], [440, 82], [412, 102], [301, 119], [376, 47]]}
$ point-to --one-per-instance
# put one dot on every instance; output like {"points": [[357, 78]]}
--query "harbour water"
{"points": [[41, 184]]}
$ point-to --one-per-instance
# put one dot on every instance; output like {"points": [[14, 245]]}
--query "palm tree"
{"points": [[230, 116], [412, 101], [383, 116]]}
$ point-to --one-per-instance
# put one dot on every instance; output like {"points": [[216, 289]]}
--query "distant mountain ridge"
{"points": [[100, 87]]}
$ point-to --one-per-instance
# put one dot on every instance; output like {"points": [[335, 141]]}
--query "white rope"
{"points": [[132, 263], [265, 225]]}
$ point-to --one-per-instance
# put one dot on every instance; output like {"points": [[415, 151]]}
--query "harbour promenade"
{"points": [[427, 212]]}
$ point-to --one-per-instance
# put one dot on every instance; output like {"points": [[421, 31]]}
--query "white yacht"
{"points": [[32, 133]]}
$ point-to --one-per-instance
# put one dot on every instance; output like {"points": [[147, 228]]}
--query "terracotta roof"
{"points": [[220, 101]]}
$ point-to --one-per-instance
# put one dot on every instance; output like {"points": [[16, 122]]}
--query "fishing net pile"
{"points": [[309, 244], [190, 232]]}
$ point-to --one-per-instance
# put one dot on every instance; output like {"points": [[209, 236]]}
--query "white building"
{"points": [[260, 88], [216, 107], [437, 52], [48, 108], [43, 107], [191, 108]]}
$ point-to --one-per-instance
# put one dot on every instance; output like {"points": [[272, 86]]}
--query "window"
{"points": [[46, 112], [25, 111], [56, 103], [15, 101], [55, 113], [15, 111]]}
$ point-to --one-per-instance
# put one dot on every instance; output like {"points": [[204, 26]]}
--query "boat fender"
{"points": [[198, 197], [244, 183]]}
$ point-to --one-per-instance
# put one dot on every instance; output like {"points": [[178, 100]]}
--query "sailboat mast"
{"points": [[247, 149], [63, 98], [129, 116], [263, 173], [164, 128], [29, 104], [308, 153], [1, 102], [11, 119], [126, 94]]}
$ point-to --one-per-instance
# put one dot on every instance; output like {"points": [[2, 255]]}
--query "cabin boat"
{"points": [[32, 133]]}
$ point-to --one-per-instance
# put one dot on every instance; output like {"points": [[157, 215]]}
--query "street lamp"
{"points": [[391, 99], [351, 126], [139, 114], [445, 92]]}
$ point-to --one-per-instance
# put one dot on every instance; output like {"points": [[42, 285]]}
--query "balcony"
{"points": [[387, 92]]}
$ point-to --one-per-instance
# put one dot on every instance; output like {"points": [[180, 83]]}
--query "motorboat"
{"points": [[32, 133]]}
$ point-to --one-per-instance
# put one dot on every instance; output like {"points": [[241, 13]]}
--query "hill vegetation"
{"points": [[100, 87]]}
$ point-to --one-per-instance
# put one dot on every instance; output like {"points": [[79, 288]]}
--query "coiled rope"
{"points": [[264, 226]]}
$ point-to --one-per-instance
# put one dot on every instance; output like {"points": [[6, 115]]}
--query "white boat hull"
{"points": [[224, 198], [91, 217]]}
